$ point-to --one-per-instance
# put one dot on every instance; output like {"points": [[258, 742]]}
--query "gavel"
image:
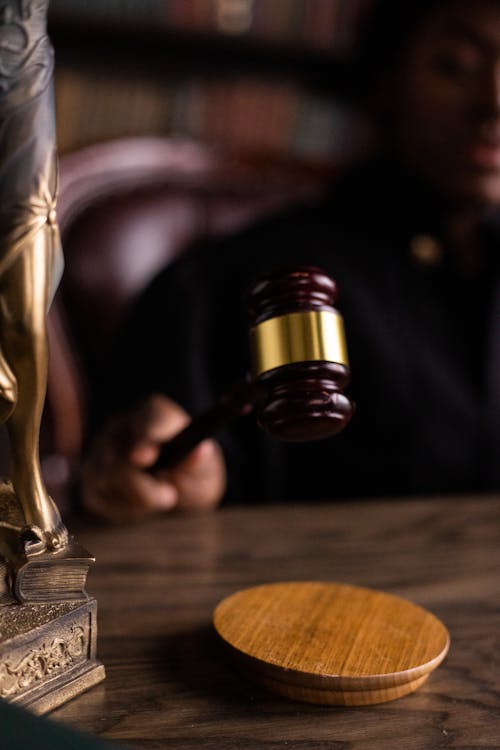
{"points": [[299, 366]]}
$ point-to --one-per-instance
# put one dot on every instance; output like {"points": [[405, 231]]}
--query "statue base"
{"points": [[47, 652], [48, 624]]}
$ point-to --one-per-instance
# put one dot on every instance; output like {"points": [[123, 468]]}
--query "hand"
{"points": [[114, 483]]}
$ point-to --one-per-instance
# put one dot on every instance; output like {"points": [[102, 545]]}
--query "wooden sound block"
{"points": [[330, 643]]}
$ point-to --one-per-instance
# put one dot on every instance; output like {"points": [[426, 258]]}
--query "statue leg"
{"points": [[25, 290]]}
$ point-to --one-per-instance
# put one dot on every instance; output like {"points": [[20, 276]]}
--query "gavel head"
{"points": [[298, 353]]}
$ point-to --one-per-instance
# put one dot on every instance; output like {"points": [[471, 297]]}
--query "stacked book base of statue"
{"points": [[48, 624], [330, 643]]}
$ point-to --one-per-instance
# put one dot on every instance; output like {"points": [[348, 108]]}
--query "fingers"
{"points": [[125, 494], [115, 485]]}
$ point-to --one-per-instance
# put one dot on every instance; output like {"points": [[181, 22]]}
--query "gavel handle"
{"points": [[237, 401]]}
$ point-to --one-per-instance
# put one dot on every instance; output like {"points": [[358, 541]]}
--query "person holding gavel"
{"points": [[411, 234]]}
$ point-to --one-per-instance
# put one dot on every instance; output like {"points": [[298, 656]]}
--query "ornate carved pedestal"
{"points": [[48, 652], [48, 624]]}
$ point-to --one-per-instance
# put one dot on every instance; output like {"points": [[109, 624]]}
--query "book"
{"points": [[29, 573]]}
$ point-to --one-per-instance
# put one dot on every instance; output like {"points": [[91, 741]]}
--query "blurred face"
{"points": [[447, 116]]}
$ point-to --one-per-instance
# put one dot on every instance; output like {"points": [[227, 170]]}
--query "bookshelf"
{"points": [[262, 77]]}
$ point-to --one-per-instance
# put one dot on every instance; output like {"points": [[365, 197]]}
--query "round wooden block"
{"points": [[330, 643]]}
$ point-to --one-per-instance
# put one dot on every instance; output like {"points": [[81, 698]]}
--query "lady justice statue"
{"points": [[30, 252], [48, 623]]}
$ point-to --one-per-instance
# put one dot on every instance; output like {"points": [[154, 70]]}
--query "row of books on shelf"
{"points": [[248, 114], [317, 24]]}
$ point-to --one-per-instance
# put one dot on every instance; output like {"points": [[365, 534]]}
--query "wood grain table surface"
{"points": [[170, 686]]}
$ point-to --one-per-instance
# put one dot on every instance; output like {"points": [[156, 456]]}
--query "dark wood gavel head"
{"points": [[298, 354], [299, 366]]}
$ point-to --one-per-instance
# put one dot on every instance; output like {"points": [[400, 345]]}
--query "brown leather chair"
{"points": [[126, 208]]}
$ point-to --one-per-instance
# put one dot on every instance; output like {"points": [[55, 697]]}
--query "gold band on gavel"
{"points": [[298, 337]]}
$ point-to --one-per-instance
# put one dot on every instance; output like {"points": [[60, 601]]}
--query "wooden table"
{"points": [[168, 685]]}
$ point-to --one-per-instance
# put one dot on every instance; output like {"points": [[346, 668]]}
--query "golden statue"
{"points": [[47, 621], [30, 250]]}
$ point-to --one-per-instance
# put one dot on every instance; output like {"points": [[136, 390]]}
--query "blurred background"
{"points": [[262, 77], [178, 121]]}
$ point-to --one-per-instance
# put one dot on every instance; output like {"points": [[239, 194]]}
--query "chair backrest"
{"points": [[126, 208]]}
